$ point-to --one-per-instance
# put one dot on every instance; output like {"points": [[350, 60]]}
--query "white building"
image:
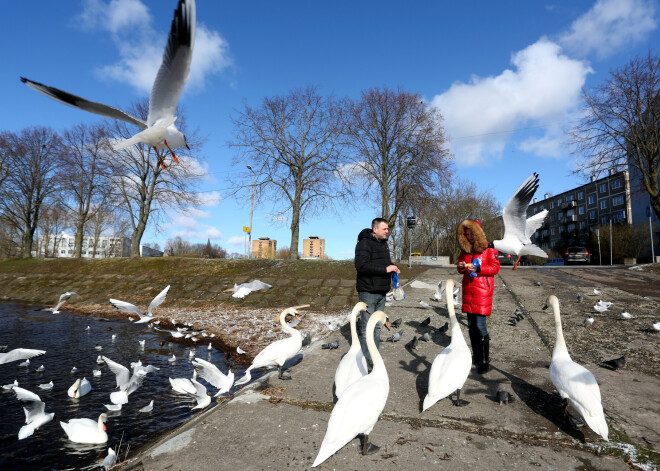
{"points": [[62, 246]]}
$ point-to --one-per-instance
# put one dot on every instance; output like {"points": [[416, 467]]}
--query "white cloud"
{"points": [[236, 241], [200, 232], [140, 46], [113, 16], [210, 199], [609, 27], [543, 87]]}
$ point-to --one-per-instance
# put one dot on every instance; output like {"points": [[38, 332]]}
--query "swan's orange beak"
{"points": [[104, 428], [387, 325], [298, 317]]}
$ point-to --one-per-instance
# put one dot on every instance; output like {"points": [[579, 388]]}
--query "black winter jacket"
{"points": [[372, 257]]}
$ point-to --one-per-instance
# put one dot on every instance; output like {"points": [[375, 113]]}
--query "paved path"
{"points": [[280, 424]]}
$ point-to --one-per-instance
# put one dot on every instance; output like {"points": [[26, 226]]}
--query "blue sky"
{"points": [[506, 75]]}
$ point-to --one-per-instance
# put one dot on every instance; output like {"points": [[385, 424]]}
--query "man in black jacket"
{"points": [[374, 276]]}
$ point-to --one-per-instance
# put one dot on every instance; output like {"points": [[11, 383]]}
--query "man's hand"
{"points": [[461, 265], [472, 269], [393, 268]]}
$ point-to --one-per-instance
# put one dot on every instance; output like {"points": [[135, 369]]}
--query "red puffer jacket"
{"points": [[478, 291]]}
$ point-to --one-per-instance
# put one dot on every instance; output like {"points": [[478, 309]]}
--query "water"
{"points": [[68, 344]]}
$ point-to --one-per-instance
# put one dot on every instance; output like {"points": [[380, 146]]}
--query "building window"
{"points": [[592, 214], [571, 227], [581, 210], [580, 195], [618, 200], [618, 183], [603, 220], [603, 187], [582, 224], [62, 251], [70, 252], [552, 218], [619, 216], [569, 198], [552, 231], [560, 200], [603, 204], [592, 199], [552, 204]]}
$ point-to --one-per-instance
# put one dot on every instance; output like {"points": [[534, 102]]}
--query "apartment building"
{"points": [[574, 213], [62, 246], [264, 247], [313, 247]]}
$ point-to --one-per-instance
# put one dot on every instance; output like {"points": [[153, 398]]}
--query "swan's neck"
{"points": [[376, 359], [354, 336], [100, 424], [290, 330], [560, 344]]}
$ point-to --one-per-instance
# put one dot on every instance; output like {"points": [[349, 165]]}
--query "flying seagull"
{"points": [[517, 227], [159, 130], [64, 298], [132, 309]]}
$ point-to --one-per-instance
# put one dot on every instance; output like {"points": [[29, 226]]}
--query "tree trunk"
{"points": [[77, 251], [27, 242], [136, 238], [295, 232]]}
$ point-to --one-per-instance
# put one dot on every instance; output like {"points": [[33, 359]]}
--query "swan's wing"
{"points": [[83, 104], [120, 371], [32, 404], [158, 300], [534, 222], [19, 354], [175, 68], [210, 373], [123, 306], [514, 213]]}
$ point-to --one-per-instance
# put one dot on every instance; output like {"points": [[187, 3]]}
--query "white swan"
{"points": [[517, 228], [353, 366], [132, 309], [574, 382], [359, 407], [213, 375], [86, 430], [35, 415], [79, 388], [19, 354], [184, 385], [278, 352], [126, 384], [451, 367]]}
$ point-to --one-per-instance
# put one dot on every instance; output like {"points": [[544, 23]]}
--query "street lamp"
{"points": [[254, 177]]}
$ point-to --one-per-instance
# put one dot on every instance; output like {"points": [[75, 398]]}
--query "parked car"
{"points": [[506, 259], [577, 255]]}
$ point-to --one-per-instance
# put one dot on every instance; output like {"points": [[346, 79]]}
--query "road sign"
{"points": [[246, 229]]}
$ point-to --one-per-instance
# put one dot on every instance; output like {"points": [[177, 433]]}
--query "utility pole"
{"points": [[254, 178]]}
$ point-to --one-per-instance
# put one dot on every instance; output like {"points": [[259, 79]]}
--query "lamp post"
{"points": [[254, 177]]}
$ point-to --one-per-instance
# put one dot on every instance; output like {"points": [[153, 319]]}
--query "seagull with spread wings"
{"points": [[517, 227], [64, 298], [132, 309], [159, 131]]}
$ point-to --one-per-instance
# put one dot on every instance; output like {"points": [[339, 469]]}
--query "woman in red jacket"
{"points": [[478, 264]]}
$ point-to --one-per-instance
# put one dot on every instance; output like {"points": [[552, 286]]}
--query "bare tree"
{"points": [[398, 143], [52, 222], [145, 189], [84, 176], [31, 157], [621, 124], [293, 144]]}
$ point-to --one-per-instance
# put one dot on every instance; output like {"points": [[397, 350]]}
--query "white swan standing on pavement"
{"points": [[79, 388], [159, 130], [126, 384], [35, 415], [278, 352], [132, 309], [214, 376], [86, 430], [574, 382], [353, 366], [451, 367], [359, 407], [64, 298], [517, 228], [19, 354]]}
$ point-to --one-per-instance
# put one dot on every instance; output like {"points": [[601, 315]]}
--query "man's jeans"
{"points": [[375, 302], [478, 323]]}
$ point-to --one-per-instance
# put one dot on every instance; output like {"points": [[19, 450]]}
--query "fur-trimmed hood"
{"points": [[480, 241]]}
